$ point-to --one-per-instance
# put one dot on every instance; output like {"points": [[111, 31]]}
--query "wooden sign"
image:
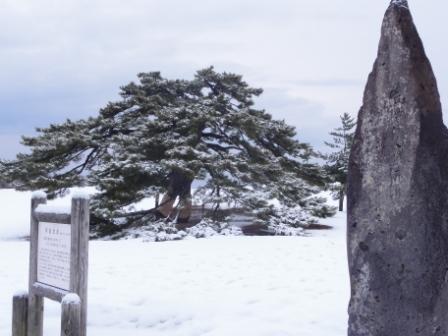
{"points": [[53, 255], [59, 241]]}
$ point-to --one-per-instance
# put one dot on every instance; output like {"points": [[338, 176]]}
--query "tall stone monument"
{"points": [[397, 194]]}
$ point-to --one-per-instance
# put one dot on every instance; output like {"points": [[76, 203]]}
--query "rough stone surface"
{"points": [[397, 195]]}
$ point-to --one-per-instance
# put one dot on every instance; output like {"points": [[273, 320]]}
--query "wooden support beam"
{"points": [[80, 254], [20, 314], [35, 302], [71, 315]]}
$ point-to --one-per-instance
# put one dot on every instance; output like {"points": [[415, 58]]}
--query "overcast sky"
{"points": [[67, 58]]}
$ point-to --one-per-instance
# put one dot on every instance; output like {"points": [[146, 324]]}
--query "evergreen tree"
{"points": [[160, 137], [337, 162]]}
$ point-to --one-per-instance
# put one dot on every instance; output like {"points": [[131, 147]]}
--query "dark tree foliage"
{"points": [[164, 134], [337, 162]]}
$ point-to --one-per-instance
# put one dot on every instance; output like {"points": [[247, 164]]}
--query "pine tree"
{"points": [[337, 162], [163, 135]]}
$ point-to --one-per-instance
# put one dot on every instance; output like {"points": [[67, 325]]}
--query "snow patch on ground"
{"points": [[38, 194], [14, 214], [221, 286], [15, 210]]}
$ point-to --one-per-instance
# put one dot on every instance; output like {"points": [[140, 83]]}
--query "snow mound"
{"points": [[21, 293], [38, 194], [80, 193], [401, 3], [71, 298], [251, 286], [15, 209]]}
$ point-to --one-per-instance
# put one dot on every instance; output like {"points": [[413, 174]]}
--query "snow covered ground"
{"points": [[221, 286]]}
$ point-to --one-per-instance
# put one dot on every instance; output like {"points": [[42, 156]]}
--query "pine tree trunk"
{"points": [[185, 212], [179, 186], [341, 199]]}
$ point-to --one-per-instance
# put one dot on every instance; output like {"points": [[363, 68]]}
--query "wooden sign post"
{"points": [[59, 241]]}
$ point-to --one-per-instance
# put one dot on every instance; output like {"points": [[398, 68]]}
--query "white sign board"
{"points": [[53, 255]]}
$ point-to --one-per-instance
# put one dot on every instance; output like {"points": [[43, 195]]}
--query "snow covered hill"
{"points": [[251, 286]]}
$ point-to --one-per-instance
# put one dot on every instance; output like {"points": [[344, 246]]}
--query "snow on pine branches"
{"points": [[164, 135]]}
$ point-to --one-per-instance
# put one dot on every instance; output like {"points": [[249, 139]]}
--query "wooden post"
{"points": [[20, 314], [71, 315], [80, 253], [35, 302]]}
